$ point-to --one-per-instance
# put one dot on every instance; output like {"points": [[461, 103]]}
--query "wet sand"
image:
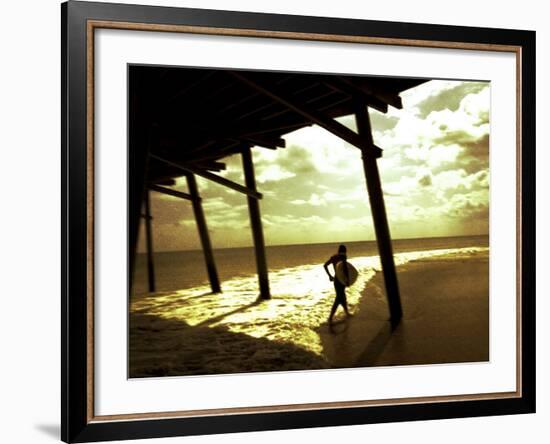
{"points": [[446, 317], [445, 302]]}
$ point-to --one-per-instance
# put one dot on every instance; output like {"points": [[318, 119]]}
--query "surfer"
{"points": [[338, 286]]}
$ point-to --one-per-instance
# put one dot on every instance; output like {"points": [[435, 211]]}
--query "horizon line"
{"points": [[317, 243]]}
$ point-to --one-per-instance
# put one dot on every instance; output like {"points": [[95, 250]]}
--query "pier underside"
{"points": [[184, 121]]}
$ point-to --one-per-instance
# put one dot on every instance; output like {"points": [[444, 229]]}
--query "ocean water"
{"points": [[197, 332], [182, 270]]}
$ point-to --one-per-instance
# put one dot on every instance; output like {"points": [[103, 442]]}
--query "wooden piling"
{"points": [[378, 210], [139, 140], [203, 233], [149, 242], [256, 225]]}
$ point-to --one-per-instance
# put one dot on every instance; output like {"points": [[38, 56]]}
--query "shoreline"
{"points": [[182, 333], [445, 303], [185, 270]]}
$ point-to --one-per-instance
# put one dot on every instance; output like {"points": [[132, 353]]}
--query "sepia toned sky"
{"points": [[434, 171]]}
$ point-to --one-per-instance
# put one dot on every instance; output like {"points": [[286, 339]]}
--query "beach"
{"points": [[445, 298], [445, 317]]}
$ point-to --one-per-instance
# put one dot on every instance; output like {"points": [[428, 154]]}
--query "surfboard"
{"points": [[341, 273]]}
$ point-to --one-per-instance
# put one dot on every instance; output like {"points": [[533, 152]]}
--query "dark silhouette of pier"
{"points": [[184, 121]]}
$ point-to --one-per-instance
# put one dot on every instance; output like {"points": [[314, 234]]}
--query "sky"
{"points": [[434, 172]]}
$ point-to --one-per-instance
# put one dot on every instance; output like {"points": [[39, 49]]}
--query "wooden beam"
{"points": [[213, 177], [312, 101], [170, 192], [225, 131], [265, 142], [188, 87], [235, 129], [348, 88], [211, 154], [379, 216], [220, 145], [166, 182], [244, 129], [390, 98], [256, 225], [308, 112], [149, 243], [210, 165], [203, 234], [204, 157], [254, 108]]}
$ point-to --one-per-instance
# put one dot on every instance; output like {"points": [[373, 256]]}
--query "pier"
{"points": [[183, 122]]}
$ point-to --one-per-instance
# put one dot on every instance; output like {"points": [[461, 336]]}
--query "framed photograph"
{"points": [[275, 221]]}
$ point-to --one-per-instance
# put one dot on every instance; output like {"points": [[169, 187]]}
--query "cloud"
{"points": [[432, 156], [450, 180], [425, 180], [464, 138], [448, 98], [273, 173], [296, 159], [215, 204], [315, 200], [281, 164], [382, 122], [434, 173], [474, 205]]}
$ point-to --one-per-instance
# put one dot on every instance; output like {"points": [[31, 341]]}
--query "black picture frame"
{"points": [[77, 425]]}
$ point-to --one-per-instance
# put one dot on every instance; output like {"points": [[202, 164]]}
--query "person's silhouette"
{"points": [[339, 287]]}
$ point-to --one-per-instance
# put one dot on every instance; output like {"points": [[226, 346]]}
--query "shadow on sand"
{"points": [[354, 341], [170, 347], [170, 301], [222, 316], [377, 345]]}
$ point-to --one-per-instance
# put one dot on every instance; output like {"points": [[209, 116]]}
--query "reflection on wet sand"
{"points": [[193, 331]]}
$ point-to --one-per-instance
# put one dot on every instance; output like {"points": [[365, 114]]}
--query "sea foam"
{"points": [[301, 300]]}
